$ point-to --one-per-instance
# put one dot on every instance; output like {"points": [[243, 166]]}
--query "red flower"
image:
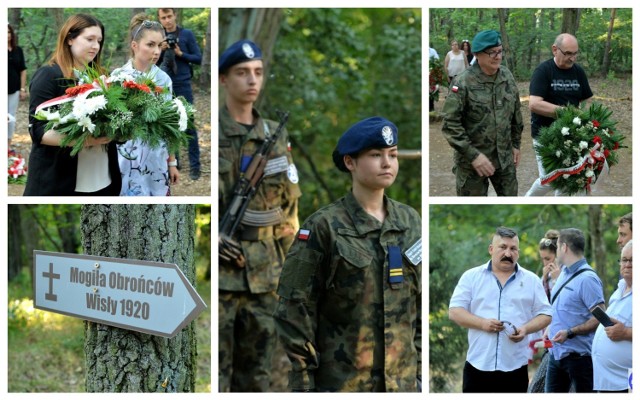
{"points": [[597, 139], [596, 123], [607, 153], [616, 146], [159, 89], [133, 85], [76, 90]]}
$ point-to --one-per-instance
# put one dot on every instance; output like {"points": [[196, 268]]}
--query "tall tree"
{"points": [[606, 61], [503, 15], [205, 71], [15, 260], [119, 360], [570, 20], [596, 240], [260, 25]]}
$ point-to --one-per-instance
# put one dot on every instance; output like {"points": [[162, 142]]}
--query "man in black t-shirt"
{"points": [[554, 84]]}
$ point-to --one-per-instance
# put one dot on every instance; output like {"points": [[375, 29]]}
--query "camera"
{"points": [[172, 40]]}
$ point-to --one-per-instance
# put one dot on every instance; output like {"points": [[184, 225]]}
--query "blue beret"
{"points": [[370, 133], [485, 40], [239, 52]]}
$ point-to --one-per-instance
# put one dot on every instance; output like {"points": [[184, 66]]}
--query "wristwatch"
{"points": [[570, 333]]}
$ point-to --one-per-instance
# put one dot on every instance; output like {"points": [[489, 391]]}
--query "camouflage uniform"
{"points": [[482, 115], [343, 325], [246, 295]]}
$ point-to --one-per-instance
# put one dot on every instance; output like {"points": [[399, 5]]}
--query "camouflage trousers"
{"points": [[469, 183], [246, 341]]}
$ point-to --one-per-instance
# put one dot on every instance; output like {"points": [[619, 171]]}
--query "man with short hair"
{"points": [[500, 303], [247, 284], [625, 230], [179, 51], [555, 83], [577, 291], [612, 345], [483, 122]]}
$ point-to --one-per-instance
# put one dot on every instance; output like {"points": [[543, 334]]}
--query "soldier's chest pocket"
{"points": [[478, 104], [349, 269]]}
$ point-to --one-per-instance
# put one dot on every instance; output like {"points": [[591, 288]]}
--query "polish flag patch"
{"points": [[304, 234], [454, 89]]}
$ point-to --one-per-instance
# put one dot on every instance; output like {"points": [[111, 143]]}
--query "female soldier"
{"points": [[349, 309]]}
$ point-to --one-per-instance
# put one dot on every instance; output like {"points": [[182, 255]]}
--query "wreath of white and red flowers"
{"points": [[577, 147], [17, 168], [120, 107]]}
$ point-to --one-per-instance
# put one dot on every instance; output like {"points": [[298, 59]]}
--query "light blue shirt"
{"points": [[571, 308], [612, 360], [520, 299]]}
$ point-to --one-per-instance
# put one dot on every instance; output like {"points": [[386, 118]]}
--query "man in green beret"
{"points": [[483, 122]]}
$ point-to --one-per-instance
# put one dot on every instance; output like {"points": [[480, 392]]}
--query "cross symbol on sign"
{"points": [[51, 276]]}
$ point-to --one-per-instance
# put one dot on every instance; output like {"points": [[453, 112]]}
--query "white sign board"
{"points": [[144, 296]]}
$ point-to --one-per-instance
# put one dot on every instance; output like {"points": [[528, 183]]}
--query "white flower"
{"points": [[96, 103], [589, 173], [85, 123], [577, 121], [182, 123], [566, 176], [558, 153], [583, 144], [606, 133], [50, 116], [565, 131]]}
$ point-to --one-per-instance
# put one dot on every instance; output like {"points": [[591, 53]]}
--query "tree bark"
{"points": [[205, 70], [15, 258], [570, 20], [503, 15], [598, 248], [606, 62], [119, 360]]}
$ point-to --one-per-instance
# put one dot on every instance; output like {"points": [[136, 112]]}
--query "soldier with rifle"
{"points": [[258, 204]]}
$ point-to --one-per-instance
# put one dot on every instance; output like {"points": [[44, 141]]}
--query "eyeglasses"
{"points": [[147, 25], [509, 328], [568, 53], [495, 53], [625, 261]]}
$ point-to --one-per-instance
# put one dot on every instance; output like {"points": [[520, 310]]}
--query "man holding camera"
{"points": [[179, 50]]}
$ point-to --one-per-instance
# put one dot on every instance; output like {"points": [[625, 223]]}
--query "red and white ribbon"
{"points": [[65, 98], [591, 158]]}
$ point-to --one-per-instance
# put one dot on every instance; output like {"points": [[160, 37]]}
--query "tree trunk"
{"points": [[31, 235], [15, 15], [205, 70], [606, 62], [570, 20], [15, 258], [260, 25], [119, 360], [66, 221], [503, 14], [598, 248]]}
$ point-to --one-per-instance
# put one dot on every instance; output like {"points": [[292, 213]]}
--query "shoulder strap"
{"points": [[567, 281]]}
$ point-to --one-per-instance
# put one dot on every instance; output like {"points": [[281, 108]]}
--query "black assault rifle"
{"points": [[243, 192]]}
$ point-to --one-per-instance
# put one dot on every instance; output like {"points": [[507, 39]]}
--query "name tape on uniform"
{"points": [[276, 165], [414, 253]]}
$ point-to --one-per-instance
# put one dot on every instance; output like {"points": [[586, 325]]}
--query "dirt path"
{"points": [[186, 187], [615, 94]]}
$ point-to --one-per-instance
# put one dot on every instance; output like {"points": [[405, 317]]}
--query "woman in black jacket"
{"points": [[52, 170]]}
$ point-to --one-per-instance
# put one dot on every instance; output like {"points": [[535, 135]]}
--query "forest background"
{"points": [[459, 238]]}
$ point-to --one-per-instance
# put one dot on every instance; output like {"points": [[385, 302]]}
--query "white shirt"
{"points": [[521, 299], [611, 360]]}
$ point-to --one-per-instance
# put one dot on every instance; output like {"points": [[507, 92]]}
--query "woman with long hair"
{"points": [[53, 171]]}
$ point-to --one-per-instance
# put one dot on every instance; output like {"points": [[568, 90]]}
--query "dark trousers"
{"points": [[476, 381], [184, 89], [572, 369]]}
